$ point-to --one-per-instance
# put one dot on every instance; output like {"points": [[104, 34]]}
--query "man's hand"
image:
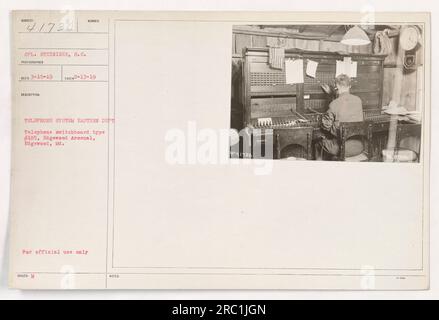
{"points": [[326, 88]]}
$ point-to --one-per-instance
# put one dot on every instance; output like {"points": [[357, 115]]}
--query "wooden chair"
{"points": [[349, 130], [405, 131], [300, 136], [378, 137]]}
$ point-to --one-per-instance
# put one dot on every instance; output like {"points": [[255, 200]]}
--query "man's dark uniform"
{"points": [[346, 108]]}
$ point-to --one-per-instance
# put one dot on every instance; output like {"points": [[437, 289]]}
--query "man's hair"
{"points": [[343, 80]]}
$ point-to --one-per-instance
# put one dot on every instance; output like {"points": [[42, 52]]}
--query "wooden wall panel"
{"points": [[259, 41], [408, 91], [242, 41]]}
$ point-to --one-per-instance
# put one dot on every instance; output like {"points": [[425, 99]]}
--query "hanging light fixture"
{"points": [[355, 37]]}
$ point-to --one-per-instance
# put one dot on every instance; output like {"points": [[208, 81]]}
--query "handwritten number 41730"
{"points": [[50, 27]]}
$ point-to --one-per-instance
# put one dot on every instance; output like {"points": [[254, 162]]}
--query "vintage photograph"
{"points": [[149, 152], [332, 92]]}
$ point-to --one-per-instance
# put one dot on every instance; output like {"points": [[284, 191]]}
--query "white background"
{"points": [[254, 5]]}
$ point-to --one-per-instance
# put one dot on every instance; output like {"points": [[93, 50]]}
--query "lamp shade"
{"points": [[355, 37]]}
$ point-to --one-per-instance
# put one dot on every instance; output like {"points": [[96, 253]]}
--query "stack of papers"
{"points": [[394, 110]]}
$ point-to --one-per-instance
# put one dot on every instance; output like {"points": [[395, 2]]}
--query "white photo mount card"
{"points": [[160, 150]]}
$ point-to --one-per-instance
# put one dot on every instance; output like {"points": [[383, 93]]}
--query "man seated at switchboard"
{"points": [[345, 108]]}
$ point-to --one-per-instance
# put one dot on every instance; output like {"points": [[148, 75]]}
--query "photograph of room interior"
{"points": [[328, 92]]}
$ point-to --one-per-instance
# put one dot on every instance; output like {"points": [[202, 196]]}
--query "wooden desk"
{"points": [[379, 132]]}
